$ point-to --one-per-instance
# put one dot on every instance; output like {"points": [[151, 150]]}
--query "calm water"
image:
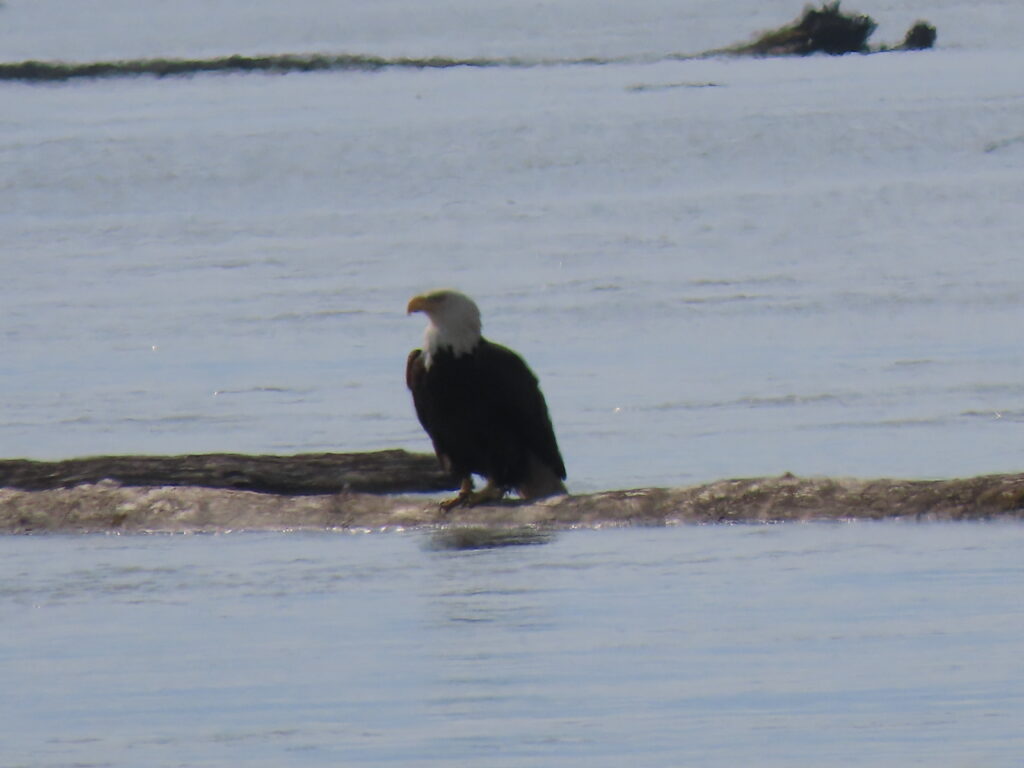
{"points": [[805, 645], [718, 268]]}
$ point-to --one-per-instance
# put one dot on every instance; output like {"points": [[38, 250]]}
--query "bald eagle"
{"points": [[481, 405]]}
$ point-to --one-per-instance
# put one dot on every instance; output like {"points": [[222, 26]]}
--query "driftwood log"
{"points": [[109, 506], [393, 471]]}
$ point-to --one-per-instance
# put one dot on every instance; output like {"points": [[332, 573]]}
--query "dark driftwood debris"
{"points": [[356, 491], [817, 30], [392, 471], [829, 30]]}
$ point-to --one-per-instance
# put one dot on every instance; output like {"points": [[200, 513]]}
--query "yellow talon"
{"points": [[465, 492], [485, 495], [467, 497]]}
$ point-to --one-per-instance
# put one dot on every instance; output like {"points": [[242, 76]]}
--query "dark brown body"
{"points": [[486, 416]]}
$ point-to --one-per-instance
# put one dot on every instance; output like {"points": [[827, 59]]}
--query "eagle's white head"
{"points": [[454, 322]]}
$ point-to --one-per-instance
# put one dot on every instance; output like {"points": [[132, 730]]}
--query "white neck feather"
{"points": [[459, 339]]}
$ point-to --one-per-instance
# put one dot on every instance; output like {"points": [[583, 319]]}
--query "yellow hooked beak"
{"points": [[418, 304]]}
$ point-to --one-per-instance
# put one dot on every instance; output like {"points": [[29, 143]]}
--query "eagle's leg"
{"points": [[485, 495], [465, 492]]}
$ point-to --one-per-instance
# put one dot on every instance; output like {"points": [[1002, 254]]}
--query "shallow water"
{"points": [[805, 645]]}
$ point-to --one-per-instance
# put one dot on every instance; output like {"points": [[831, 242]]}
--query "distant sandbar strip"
{"points": [[49, 71]]}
